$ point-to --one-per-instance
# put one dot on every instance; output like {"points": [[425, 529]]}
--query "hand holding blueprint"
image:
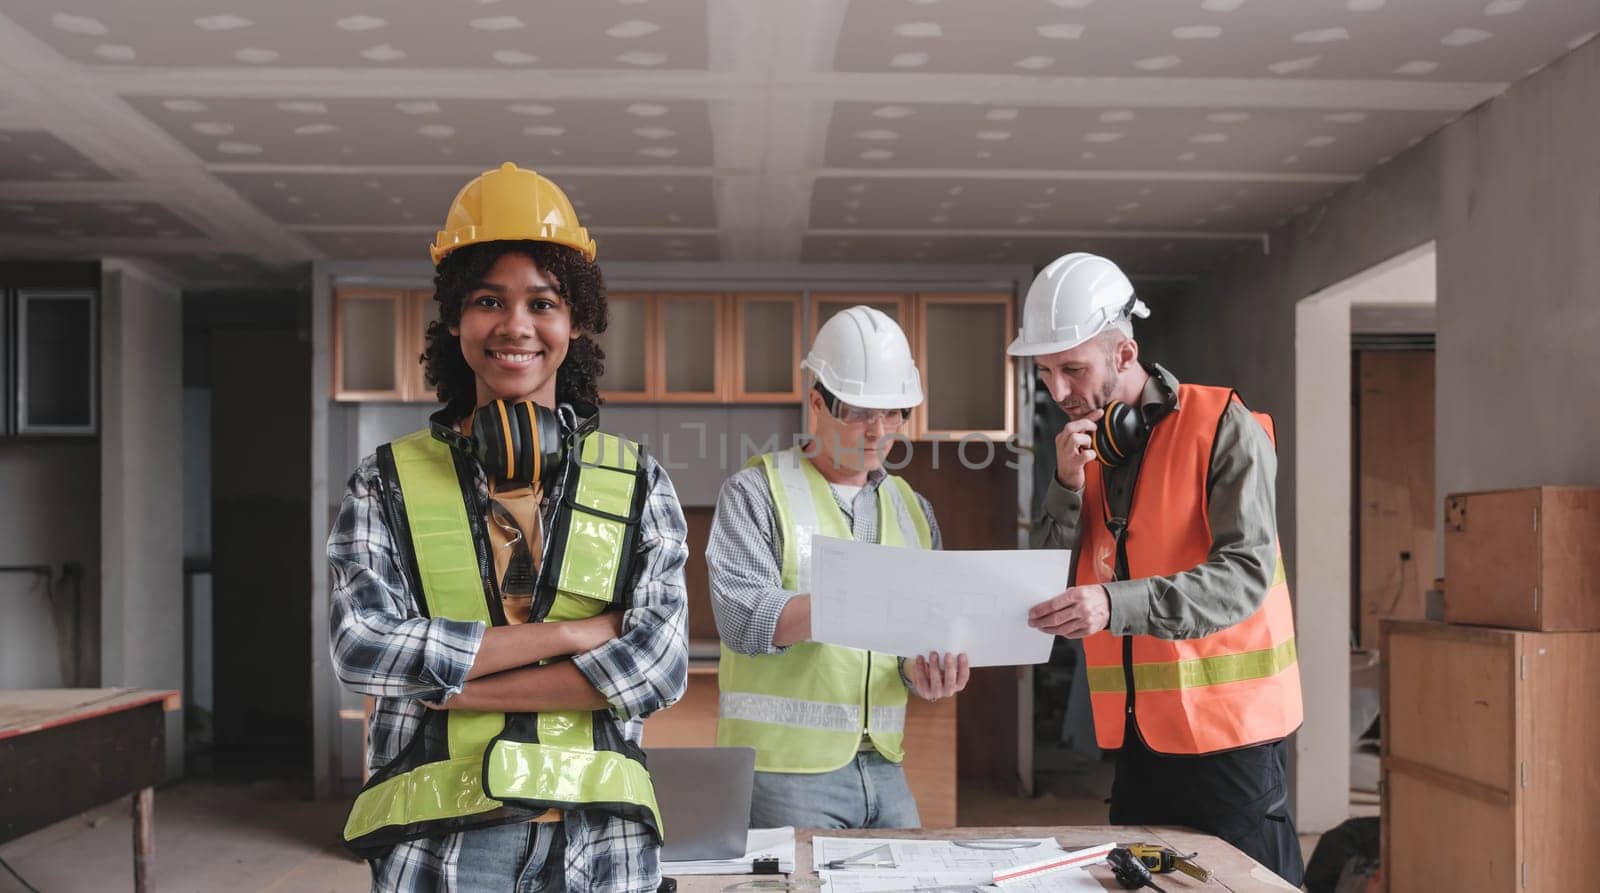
{"points": [[908, 602]]}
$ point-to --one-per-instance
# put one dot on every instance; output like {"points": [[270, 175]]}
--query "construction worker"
{"points": [[827, 722], [1165, 493], [508, 583]]}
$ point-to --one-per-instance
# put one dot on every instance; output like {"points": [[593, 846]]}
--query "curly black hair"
{"points": [[577, 280]]}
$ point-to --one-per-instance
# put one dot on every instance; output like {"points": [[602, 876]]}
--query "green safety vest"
{"points": [[483, 769], [805, 710]]}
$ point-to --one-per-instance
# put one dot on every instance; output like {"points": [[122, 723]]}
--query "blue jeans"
{"points": [[526, 857], [868, 792]]}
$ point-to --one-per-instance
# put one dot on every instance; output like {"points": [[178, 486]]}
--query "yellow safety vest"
{"points": [[484, 769], [805, 710]]}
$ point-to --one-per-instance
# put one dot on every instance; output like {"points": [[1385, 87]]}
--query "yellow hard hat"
{"points": [[509, 204]]}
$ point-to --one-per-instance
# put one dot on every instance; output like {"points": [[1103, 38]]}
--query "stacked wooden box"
{"points": [[1491, 720]]}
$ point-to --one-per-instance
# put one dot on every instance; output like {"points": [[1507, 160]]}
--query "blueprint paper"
{"points": [[964, 861], [908, 602], [763, 843], [1070, 881]]}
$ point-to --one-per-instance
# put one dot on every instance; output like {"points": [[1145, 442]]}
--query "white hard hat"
{"points": [[861, 356], [1074, 299]]}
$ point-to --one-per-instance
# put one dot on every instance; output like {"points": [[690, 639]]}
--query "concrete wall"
{"points": [[1519, 285], [141, 470], [50, 516]]}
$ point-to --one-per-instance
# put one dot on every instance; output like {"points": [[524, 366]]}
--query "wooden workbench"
{"points": [[1232, 870], [66, 750]]}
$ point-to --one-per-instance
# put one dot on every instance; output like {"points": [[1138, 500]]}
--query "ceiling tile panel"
{"points": [[1447, 40], [875, 135], [39, 155], [461, 131], [550, 34], [612, 246], [73, 219], [968, 204], [1140, 257]]}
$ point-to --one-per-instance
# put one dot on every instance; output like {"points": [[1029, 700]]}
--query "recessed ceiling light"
{"points": [[1035, 63], [531, 108], [316, 129], [632, 28], [418, 107], [544, 130], [256, 55], [1320, 142], [919, 29], [436, 131], [1102, 136], [1158, 63], [876, 155], [239, 148], [1228, 117], [955, 190], [646, 110], [497, 23], [1293, 66], [1197, 32], [302, 107], [513, 57], [73, 24], [909, 60], [1129, 206], [658, 151], [1292, 159], [357, 24], [1366, 5], [1504, 7], [114, 52], [1221, 5], [1322, 35], [1001, 115], [655, 133], [1060, 31], [222, 23], [213, 128], [1188, 156], [383, 53], [893, 112], [1462, 37], [1418, 66], [878, 135], [994, 136], [642, 59], [187, 106], [1117, 116]]}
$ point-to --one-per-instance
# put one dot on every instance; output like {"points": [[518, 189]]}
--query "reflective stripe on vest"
{"points": [[1234, 688], [805, 710], [561, 764]]}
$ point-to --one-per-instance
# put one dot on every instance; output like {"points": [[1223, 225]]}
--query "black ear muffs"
{"points": [[1122, 433], [516, 443]]}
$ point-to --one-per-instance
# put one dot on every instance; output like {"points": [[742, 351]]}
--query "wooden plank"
{"points": [[1396, 486], [1560, 731], [1233, 870], [31, 710], [1442, 839], [1569, 563], [1452, 700]]}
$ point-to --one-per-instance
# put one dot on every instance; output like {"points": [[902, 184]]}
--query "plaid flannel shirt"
{"points": [[382, 646]]}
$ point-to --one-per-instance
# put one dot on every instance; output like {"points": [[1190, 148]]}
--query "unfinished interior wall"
{"points": [[141, 474], [1519, 285]]}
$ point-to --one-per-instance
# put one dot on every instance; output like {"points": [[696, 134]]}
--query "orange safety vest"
{"points": [[1231, 689]]}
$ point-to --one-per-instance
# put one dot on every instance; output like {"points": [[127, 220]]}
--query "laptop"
{"points": [[704, 797]]}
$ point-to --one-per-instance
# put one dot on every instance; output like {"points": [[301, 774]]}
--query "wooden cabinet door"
{"points": [[766, 348], [825, 305], [369, 340], [691, 354], [967, 379], [629, 342]]}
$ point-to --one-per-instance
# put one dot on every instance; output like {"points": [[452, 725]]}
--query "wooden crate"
{"points": [[1491, 767], [1525, 559]]}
